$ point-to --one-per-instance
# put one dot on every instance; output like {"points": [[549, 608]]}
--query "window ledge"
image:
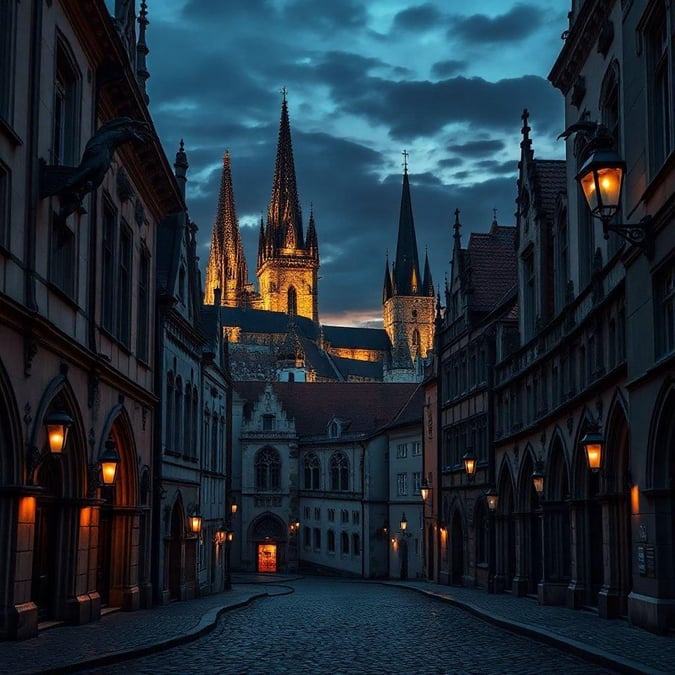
{"points": [[7, 129]]}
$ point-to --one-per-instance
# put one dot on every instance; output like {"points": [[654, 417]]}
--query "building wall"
{"points": [[276, 276]]}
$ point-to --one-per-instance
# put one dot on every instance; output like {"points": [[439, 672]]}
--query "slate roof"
{"points": [[550, 180], [368, 407], [360, 369], [357, 338], [168, 249], [264, 321], [492, 260], [412, 412]]}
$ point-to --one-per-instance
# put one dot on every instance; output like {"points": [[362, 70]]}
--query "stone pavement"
{"points": [[120, 635]]}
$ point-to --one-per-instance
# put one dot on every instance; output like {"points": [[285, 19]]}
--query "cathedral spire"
{"points": [[406, 270], [312, 244], [457, 227], [226, 268], [387, 290], [284, 215], [427, 283]]}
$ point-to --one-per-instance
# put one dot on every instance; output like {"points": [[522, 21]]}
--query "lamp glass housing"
{"points": [[469, 460], [109, 462], [58, 425], [601, 179], [593, 443], [492, 500], [233, 507], [404, 523], [538, 481], [424, 491], [195, 523]]}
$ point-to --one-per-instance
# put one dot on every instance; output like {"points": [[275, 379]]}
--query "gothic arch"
{"points": [[11, 436], [660, 464], [557, 487], [118, 425], [505, 525], [524, 488]]}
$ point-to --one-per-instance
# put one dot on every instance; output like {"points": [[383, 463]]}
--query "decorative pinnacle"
{"points": [[526, 129], [283, 91]]}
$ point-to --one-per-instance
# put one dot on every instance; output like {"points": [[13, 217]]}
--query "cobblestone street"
{"points": [[336, 626]]}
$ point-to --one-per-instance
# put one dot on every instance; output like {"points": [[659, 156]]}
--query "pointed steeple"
{"points": [[261, 242], [181, 166], [387, 290], [284, 216], [457, 227], [427, 283], [406, 271], [312, 244], [226, 268], [142, 73]]}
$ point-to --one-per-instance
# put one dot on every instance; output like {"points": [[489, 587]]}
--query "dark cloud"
{"points": [[521, 21], [477, 148], [418, 18], [448, 68], [356, 98]]}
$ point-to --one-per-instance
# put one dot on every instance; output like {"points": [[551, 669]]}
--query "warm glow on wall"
{"points": [[85, 516], [26, 509], [634, 499]]}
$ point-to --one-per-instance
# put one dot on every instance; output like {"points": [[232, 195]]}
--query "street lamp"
{"points": [[425, 490], [233, 506], [492, 499], [538, 478], [58, 424], [593, 442], [469, 460], [195, 521], [601, 179], [109, 461], [403, 523]]}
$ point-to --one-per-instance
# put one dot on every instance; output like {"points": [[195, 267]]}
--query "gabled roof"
{"points": [[368, 406], [492, 261], [357, 338]]}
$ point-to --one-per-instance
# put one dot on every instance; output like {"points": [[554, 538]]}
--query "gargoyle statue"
{"points": [[72, 185]]}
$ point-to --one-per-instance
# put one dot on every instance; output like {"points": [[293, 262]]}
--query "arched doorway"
{"points": [[617, 579], [506, 533], [556, 528], [528, 532], [269, 542], [456, 549], [587, 533], [174, 552], [45, 576]]}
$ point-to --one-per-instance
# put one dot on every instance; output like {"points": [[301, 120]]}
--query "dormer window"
{"points": [[268, 422], [334, 430]]}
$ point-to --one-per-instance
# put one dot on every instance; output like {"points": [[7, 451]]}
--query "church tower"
{"points": [[288, 263], [226, 268], [408, 298]]}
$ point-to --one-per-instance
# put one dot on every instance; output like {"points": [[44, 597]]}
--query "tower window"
{"points": [[292, 301]]}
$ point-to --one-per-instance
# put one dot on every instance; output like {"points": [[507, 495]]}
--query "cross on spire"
{"points": [[405, 154], [283, 91]]}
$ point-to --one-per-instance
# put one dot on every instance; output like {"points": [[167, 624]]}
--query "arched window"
{"points": [[339, 472], [416, 338], [187, 424], [195, 420], [65, 147], [331, 541], [356, 544], [292, 301], [344, 542], [312, 472], [267, 469]]}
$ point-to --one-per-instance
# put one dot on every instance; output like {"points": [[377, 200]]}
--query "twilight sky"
{"points": [[445, 80]]}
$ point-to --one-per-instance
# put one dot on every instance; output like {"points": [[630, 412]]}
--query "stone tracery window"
{"points": [[312, 472], [339, 472], [267, 469]]}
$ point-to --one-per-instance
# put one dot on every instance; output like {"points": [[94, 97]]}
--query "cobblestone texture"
{"points": [[329, 626], [343, 626]]}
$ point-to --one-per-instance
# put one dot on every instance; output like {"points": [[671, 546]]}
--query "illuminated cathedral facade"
{"points": [[274, 332]]}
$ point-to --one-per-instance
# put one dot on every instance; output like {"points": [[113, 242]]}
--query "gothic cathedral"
{"points": [[287, 318]]}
